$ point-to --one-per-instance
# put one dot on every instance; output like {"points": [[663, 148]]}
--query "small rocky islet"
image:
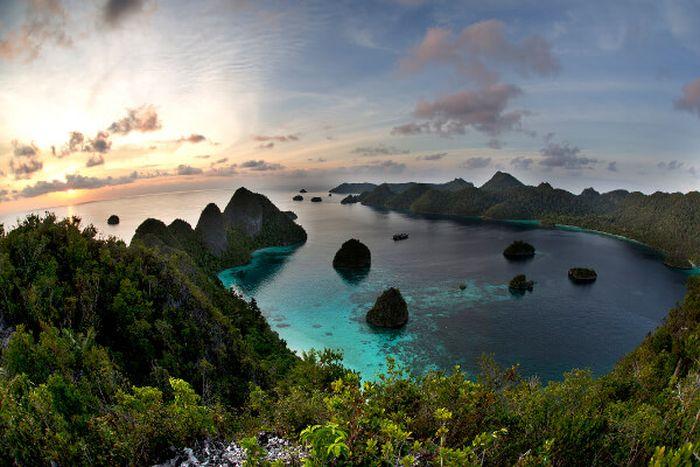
{"points": [[316, 199], [298, 198], [582, 275], [350, 199], [353, 254], [113, 220], [520, 284], [519, 250], [389, 311]]}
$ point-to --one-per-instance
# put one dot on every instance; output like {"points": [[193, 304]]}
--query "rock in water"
{"points": [[291, 214], [582, 275], [113, 220], [298, 198], [389, 311], [519, 250], [303, 190], [350, 199], [520, 284], [353, 255], [316, 199]]}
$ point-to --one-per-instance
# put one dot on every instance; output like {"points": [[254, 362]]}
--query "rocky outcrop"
{"points": [[389, 311], [212, 228], [582, 275], [113, 220], [291, 214], [520, 284], [224, 239], [303, 190], [353, 254], [350, 199], [298, 198], [316, 199], [217, 453], [519, 250]]}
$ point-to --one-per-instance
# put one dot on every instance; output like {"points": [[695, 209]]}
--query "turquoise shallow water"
{"points": [[558, 327]]}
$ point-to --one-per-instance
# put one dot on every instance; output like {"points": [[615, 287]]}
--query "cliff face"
{"points": [[224, 239]]}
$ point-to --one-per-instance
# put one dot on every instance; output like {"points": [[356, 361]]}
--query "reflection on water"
{"points": [[353, 276]]}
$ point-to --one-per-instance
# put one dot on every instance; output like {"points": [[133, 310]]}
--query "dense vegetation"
{"points": [[112, 354], [666, 221]]}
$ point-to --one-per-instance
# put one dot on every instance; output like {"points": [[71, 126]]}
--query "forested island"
{"points": [[113, 354], [668, 222]]}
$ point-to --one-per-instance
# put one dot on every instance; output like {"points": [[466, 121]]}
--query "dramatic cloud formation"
{"points": [[432, 157], [690, 100], [116, 10], [188, 170], [379, 150], [483, 110], [522, 163], [672, 165], [612, 167], [97, 159], [476, 163], [143, 119], [260, 166], [45, 23], [566, 156], [479, 46]]}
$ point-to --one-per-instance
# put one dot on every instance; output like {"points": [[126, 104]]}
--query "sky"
{"points": [[109, 98]]}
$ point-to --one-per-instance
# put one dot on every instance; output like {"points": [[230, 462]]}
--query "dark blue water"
{"points": [[557, 327]]}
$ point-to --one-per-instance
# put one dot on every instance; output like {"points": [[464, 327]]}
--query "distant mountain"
{"points": [[668, 222], [353, 188], [356, 188], [501, 181], [224, 239]]}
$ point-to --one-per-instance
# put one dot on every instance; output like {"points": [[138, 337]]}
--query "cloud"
{"points": [[188, 170], [220, 161], [100, 143], [477, 48], [143, 119], [116, 11], [276, 138], [672, 165], [690, 100], [224, 171], [269, 145], [383, 167], [476, 163], [483, 110], [432, 157], [522, 163], [24, 150], [379, 150], [318, 159], [203, 156], [23, 169], [97, 159], [45, 23], [612, 167], [193, 138], [564, 155], [75, 182], [260, 166]]}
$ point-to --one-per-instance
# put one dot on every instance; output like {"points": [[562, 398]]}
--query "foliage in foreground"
{"points": [[96, 369]]}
